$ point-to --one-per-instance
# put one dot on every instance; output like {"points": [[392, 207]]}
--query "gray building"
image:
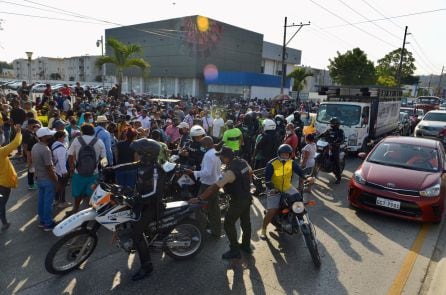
{"points": [[197, 56]]}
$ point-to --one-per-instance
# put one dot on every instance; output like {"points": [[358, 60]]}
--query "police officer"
{"points": [[146, 204], [194, 151], [335, 137], [236, 182], [232, 137], [280, 126]]}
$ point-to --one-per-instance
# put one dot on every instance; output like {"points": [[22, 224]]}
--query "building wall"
{"points": [[264, 92]]}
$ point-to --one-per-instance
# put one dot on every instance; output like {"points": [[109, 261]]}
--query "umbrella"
{"points": [[282, 97]]}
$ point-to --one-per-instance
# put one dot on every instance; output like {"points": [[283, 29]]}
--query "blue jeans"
{"points": [[47, 191], [126, 178]]}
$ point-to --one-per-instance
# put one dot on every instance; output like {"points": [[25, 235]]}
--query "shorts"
{"points": [[273, 202], [308, 171], [81, 185]]}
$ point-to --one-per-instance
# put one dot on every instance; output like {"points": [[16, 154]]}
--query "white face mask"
{"points": [[288, 132], [90, 120]]}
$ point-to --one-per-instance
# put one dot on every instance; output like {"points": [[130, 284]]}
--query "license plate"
{"points": [[388, 203]]}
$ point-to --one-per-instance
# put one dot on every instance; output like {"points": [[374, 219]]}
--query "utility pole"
{"points": [[439, 82], [285, 43], [429, 85], [398, 75]]}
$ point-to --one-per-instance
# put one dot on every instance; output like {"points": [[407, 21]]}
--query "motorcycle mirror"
{"points": [[362, 155]]}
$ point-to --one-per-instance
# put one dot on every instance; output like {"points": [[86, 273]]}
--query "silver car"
{"points": [[431, 124]]}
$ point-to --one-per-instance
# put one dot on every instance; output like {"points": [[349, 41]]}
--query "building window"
{"points": [[262, 69]]}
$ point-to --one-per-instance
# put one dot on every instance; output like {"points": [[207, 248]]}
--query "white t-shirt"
{"points": [[99, 148], [145, 122], [216, 128], [311, 148]]}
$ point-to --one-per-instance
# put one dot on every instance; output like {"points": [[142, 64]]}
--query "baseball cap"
{"points": [[57, 124], [183, 125], [225, 152], [44, 131]]}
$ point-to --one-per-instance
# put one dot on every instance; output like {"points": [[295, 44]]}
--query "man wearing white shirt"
{"points": [[144, 119], [209, 174], [208, 122], [217, 126]]}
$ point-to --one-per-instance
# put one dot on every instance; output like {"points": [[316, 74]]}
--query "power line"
{"points": [[351, 24], [382, 14], [363, 16], [46, 17], [422, 51], [384, 18], [421, 61]]}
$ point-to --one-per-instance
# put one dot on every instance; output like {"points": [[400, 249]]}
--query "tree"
{"points": [[5, 65], [299, 76], [389, 64], [123, 57], [55, 76], [388, 81], [352, 68]]}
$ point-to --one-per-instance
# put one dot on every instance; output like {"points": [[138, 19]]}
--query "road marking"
{"points": [[406, 268]]}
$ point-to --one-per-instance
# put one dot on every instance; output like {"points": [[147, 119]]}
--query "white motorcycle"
{"points": [[176, 231]]}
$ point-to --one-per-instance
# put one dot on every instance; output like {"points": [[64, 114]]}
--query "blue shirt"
{"points": [[105, 136]]}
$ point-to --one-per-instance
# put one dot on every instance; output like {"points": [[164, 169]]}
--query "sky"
{"points": [[333, 25]]}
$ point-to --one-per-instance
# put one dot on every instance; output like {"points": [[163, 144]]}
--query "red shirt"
{"points": [[66, 91], [292, 141]]}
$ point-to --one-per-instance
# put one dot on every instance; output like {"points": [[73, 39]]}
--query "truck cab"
{"points": [[366, 113]]}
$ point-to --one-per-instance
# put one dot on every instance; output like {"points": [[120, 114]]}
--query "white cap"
{"points": [[44, 131], [183, 125]]}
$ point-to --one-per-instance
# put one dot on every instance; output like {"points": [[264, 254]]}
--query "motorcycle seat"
{"points": [[175, 205]]}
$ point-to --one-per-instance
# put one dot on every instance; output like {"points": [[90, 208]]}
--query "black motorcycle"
{"points": [[293, 218], [323, 158]]}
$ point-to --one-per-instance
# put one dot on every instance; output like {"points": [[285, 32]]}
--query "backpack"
{"points": [[86, 158]]}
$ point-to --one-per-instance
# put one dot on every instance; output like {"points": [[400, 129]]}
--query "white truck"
{"points": [[367, 113]]}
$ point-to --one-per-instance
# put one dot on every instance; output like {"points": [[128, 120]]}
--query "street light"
{"points": [[100, 42], [29, 54]]}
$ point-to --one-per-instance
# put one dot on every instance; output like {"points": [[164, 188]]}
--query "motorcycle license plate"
{"points": [[388, 203]]}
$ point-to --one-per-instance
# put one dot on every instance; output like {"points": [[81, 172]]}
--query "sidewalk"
{"points": [[435, 282]]}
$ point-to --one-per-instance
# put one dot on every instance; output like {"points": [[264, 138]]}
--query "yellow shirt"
{"points": [[8, 176]]}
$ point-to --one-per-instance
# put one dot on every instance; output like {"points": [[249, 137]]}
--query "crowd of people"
{"points": [[84, 133]]}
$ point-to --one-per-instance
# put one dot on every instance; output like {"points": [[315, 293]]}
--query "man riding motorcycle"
{"points": [[335, 137], [145, 205], [278, 174]]}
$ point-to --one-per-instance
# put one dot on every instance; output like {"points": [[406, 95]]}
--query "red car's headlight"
{"points": [[358, 177], [432, 191]]}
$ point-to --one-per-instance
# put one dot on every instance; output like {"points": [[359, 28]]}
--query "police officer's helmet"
{"points": [[197, 130], [335, 122], [296, 115], [280, 118], [147, 149], [284, 149]]}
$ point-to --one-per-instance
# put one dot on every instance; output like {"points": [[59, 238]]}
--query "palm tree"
{"points": [[299, 76], [123, 57]]}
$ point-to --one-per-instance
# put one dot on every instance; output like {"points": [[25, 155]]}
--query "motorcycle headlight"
{"points": [[358, 177], [432, 191], [298, 207]]}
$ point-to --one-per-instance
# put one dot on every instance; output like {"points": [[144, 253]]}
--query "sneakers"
{"points": [[232, 254], [263, 234], [6, 226], [64, 205], [143, 272], [49, 227], [40, 225], [32, 187]]}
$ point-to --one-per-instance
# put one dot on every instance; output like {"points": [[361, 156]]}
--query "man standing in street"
{"points": [[144, 119], [209, 174], [8, 176], [46, 177], [105, 136], [217, 127], [236, 182]]}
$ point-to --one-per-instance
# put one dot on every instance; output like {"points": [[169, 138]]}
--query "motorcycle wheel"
{"points": [[72, 250], [311, 243], [187, 231]]}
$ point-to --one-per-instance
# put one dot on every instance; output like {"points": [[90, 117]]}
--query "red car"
{"points": [[403, 177]]}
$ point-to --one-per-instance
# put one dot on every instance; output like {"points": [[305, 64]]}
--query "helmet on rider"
{"points": [[296, 115], [283, 150], [147, 149], [196, 131], [335, 123], [279, 119], [269, 124]]}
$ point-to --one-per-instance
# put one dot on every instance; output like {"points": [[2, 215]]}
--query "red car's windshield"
{"points": [[405, 156]]}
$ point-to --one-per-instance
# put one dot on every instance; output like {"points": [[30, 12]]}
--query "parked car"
{"points": [[402, 177], [38, 87], [431, 124], [443, 106], [404, 124]]}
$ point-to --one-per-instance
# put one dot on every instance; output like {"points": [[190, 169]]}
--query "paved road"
{"points": [[362, 253]]}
